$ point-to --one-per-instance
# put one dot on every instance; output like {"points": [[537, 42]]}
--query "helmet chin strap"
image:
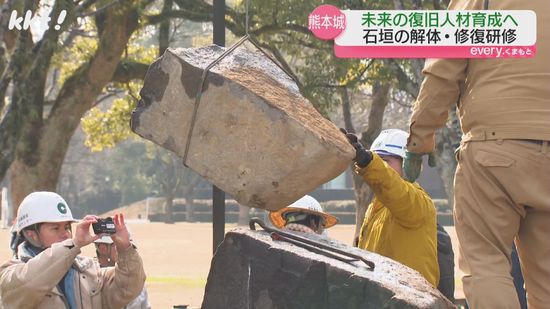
{"points": [[107, 257], [38, 244]]}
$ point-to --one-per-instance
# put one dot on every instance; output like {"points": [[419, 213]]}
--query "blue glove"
{"points": [[412, 164], [362, 155]]}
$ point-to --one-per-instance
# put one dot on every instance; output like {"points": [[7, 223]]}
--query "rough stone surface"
{"points": [[249, 270], [255, 136]]}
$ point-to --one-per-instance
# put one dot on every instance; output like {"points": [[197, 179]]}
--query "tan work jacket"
{"points": [[34, 284], [499, 98]]}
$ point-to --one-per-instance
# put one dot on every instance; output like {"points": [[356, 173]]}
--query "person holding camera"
{"points": [[400, 223], [47, 270]]}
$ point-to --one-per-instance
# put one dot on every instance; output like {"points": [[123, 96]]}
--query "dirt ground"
{"points": [[177, 258]]}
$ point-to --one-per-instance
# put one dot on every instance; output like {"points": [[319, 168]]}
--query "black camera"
{"points": [[104, 226]]}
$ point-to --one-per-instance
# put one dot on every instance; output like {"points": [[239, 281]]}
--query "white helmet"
{"points": [[306, 204], [40, 207], [390, 142]]}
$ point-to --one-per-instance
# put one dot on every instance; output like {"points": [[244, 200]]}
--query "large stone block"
{"points": [[255, 136], [250, 270]]}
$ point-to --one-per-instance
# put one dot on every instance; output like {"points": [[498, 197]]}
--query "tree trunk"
{"points": [[191, 181], [164, 29], [346, 110], [447, 140], [189, 209], [27, 179], [363, 193], [1, 205], [188, 195], [171, 182], [72, 189], [38, 168], [168, 210], [244, 215], [20, 126]]}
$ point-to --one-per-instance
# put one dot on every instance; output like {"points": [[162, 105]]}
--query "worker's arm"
{"points": [[24, 285], [439, 92], [408, 203], [125, 281]]}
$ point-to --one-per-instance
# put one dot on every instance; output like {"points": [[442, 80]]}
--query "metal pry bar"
{"points": [[309, 244]]}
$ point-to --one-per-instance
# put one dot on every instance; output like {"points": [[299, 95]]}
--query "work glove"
{"points": [[412, 164], [362, 155]]}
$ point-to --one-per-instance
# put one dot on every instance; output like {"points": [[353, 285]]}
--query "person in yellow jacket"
{"points": [[400, 223], [47, 271], [502, 182]]}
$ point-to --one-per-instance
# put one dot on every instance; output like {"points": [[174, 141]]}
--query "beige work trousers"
{"points": [[502, 194]]}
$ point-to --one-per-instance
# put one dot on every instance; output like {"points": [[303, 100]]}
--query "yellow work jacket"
{"points": [[400, 223]]}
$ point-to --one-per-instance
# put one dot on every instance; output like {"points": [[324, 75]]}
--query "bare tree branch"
{"points": [[128, 70], [357, 80], [164, 29], [346, 110], [84, 5], [405, 82], [99, 10], [107, 96], [184, 14]]}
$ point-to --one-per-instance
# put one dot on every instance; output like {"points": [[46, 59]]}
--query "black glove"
{"points": [[362, 155]]}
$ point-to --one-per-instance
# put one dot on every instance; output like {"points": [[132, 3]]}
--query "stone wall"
{"points": [[250, 270]]}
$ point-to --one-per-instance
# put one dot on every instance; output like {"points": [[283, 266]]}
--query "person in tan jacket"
{"points": [[502, 182], [107, 255], [47, 271]]}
